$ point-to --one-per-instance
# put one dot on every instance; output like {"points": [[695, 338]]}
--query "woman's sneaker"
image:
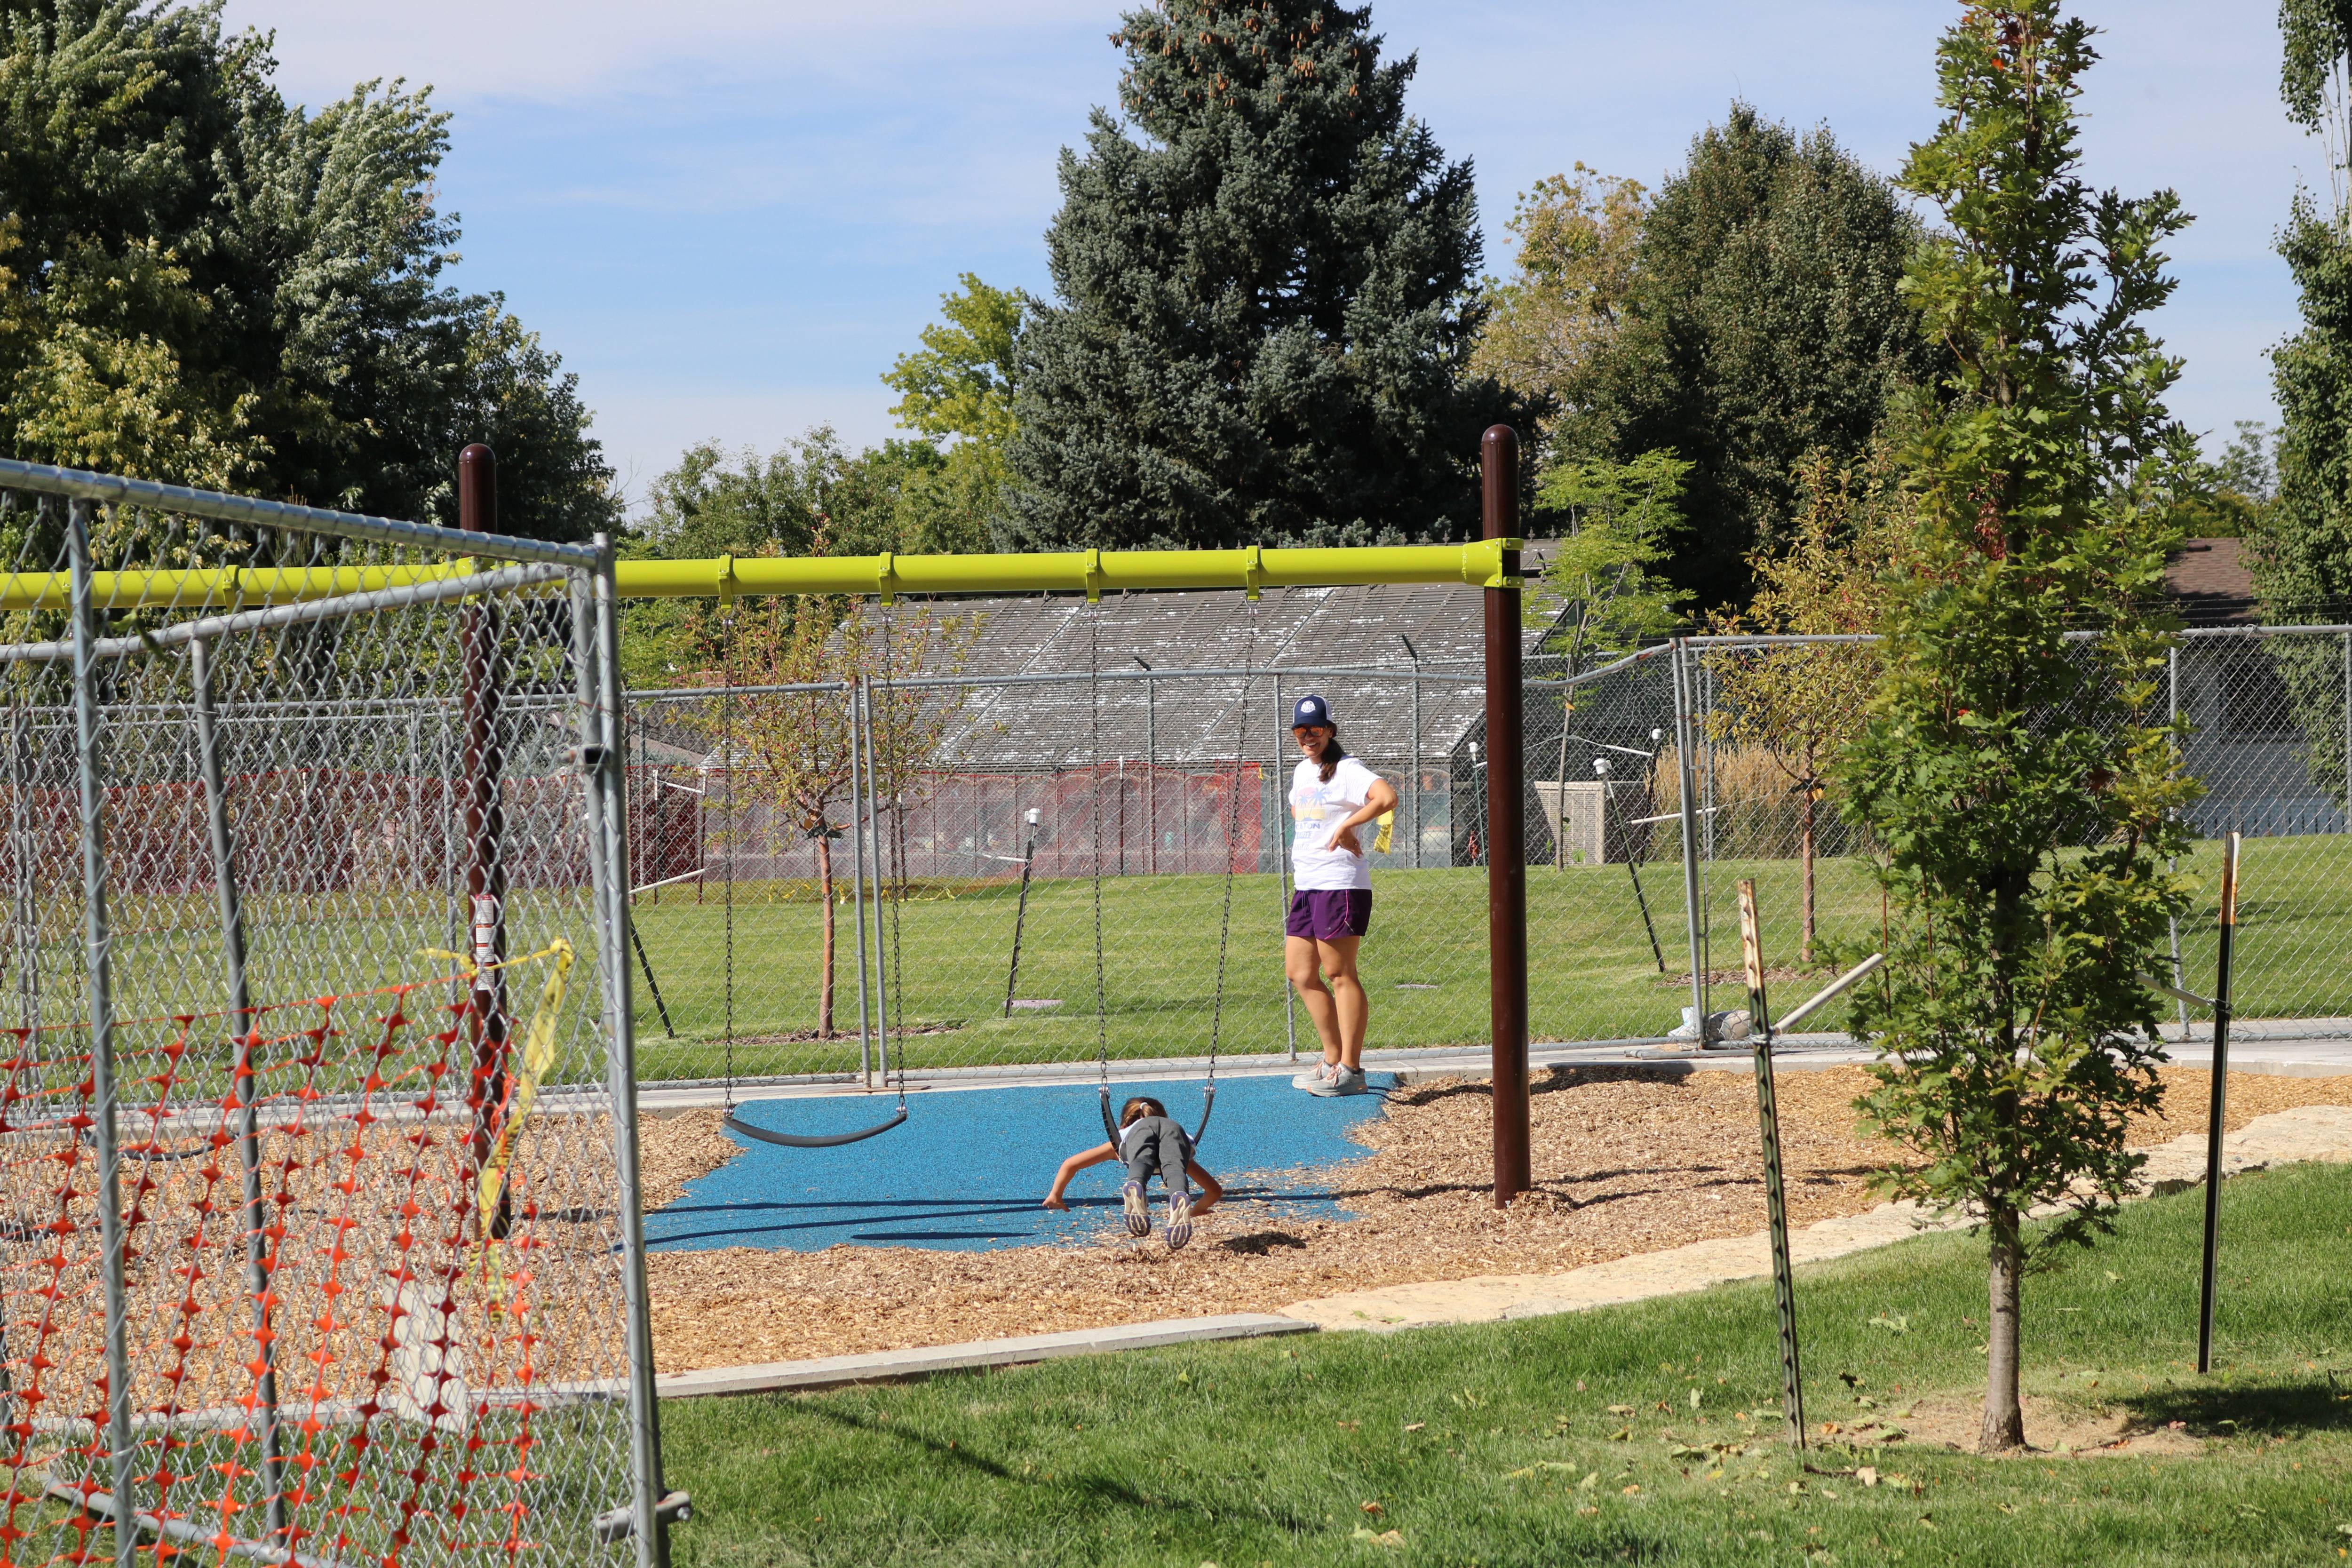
{"points": [[1319, 1073], [1180, 1219], [1341, 1081], [1139, 1213]]}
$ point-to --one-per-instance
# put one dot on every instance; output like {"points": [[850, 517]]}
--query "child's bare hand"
{"points": [[1057, 1204], [1346, 842]]}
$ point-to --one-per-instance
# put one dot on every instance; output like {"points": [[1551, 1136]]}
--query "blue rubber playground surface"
{"points": [[967, 1171]]}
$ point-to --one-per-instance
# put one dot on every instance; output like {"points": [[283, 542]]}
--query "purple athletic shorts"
{"points": [[1330, 913]]}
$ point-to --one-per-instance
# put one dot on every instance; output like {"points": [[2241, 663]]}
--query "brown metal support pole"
{"points": [[486, 877], [1506, 859]]}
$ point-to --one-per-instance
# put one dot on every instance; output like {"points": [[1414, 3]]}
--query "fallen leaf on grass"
{"points": [[1620, 1410], [1374, 1508], [1540, 1465], [1414, 1426], [1866, 1475], [1385, 1538]]}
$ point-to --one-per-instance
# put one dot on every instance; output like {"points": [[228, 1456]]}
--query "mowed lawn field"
{"points": [[1643, 1433], [1593, 974]]}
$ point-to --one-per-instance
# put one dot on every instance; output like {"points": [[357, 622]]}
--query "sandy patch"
{"points": [[2053, 1429]]}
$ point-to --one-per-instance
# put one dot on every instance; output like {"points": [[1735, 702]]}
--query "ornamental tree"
{"points": [[1266, 300], [2023, 787]]}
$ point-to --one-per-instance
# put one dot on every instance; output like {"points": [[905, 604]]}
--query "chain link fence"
{"points": [[316, 1233], [978, 894], [980, 905], [2265, 709]]}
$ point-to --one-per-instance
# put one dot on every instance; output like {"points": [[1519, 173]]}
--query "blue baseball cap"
{"points": [[1311, 710]]}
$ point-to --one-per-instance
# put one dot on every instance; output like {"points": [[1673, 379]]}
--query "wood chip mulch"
{"points": [[1628, 1160]]}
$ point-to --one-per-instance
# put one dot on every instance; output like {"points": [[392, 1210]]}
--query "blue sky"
{"points": [[728, 215]]}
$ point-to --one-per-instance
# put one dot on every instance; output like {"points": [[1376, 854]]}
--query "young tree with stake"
{"points": [[1800, 705], [2025, 790], [791, 749]]}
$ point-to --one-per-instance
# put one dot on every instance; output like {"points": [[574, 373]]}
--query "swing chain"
{"points": [[896, 978], [1232, 841], [727, 763], [1094, 704]]}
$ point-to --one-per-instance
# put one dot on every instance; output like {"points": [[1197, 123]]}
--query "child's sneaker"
{"points": [[1341, 1081], [1139, 1213], [1319, 1073], [1180, 1219]]}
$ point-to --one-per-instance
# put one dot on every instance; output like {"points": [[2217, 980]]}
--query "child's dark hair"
{"points": [[1141, 1105], [1328, 758]]}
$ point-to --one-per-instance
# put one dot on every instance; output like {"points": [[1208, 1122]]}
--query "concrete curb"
{"points": [[833, 1371], [2289, 1050]]}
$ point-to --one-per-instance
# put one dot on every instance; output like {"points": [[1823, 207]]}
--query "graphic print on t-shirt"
{"points": [[1318, 808]]}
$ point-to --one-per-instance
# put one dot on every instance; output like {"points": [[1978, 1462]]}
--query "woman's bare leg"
{"points": [[1352, 1007], [1298, 957]]}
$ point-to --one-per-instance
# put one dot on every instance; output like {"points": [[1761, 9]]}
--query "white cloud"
{"points": [[562, 49]]}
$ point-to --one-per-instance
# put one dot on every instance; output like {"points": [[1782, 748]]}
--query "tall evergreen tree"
{"points": [[200, 283], [1763, 321], [1265, 299]]}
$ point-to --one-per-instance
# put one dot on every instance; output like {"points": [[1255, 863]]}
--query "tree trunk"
{"points": [[824, 902], [1805, 854], [2004, 1418]]}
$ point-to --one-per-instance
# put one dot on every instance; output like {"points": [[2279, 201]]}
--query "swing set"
{"points": [[1490, 563], [887, 990]]}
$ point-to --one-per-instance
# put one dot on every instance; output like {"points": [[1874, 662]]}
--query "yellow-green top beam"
{"points": [[1091, 572], [1479, 564]]}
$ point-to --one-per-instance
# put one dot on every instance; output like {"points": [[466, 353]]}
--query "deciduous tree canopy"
{"points": [[200, 283]]}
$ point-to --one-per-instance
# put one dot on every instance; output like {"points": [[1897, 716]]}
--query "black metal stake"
{"points": [[651, 983], [2221, 1102], [1625, 842], [1021, 914], [1784, 1279]]}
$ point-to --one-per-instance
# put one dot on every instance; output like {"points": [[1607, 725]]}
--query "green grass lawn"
{"points": [[1593, 976], [1498, 1444]]}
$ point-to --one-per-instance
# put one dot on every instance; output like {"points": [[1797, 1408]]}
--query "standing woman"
{"points": [[1331, 796]]}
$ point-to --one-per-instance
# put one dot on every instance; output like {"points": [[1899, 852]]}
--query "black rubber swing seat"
{"points": [[809, 1140], [1110, 1123]]}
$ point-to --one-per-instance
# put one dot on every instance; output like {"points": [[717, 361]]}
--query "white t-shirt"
{"points": [[1318, 808]]}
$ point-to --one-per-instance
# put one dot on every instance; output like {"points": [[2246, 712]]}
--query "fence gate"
{"points": [[319, 1231]]}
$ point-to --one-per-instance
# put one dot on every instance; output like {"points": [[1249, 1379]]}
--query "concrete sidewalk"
{"points": [[2322, 1133], [2298, 1048]]}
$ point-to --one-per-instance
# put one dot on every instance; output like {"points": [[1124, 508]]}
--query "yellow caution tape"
{"points": [[538, 1057]]}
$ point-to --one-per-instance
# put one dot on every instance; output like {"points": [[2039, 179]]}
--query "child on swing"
{"points": [[1148, 1140]]}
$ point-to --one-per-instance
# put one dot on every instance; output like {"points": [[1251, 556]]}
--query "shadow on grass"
{"points": [[2271, 1406], [1097, 1488]]}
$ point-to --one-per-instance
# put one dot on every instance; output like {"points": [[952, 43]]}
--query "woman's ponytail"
{"points": [[1331, 754]]}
